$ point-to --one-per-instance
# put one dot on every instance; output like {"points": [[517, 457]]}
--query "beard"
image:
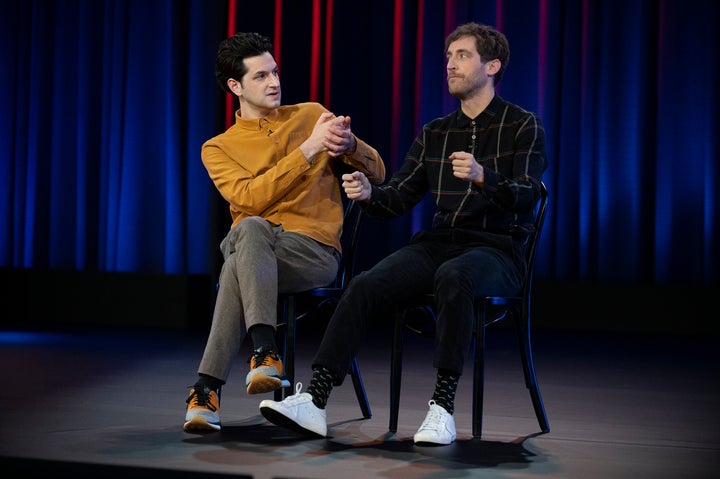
{"points": [[465, 87], [458, 89]]}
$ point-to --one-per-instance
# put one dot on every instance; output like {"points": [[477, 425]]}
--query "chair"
{"points": [[488, 310], [329, 295]]}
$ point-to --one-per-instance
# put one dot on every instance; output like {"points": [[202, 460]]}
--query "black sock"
{"points": [[445, 389], [210, 382], [263, 337], [320, 385]]}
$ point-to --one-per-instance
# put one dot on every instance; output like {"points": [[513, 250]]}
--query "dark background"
{"points": [[107, 215]]}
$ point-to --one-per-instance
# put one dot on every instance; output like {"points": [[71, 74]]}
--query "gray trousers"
{"points": [[260, 261]]}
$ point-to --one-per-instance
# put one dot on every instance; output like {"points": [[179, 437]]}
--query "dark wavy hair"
{"points": [[231, 53], [490, 43]]}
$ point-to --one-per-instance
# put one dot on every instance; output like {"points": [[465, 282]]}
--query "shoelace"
{"points": [[201, 397], [262, 357], [295, 397], [433, 418]]}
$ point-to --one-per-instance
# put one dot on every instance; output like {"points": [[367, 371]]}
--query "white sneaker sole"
{"points": [[199, 425], [280, 419]]}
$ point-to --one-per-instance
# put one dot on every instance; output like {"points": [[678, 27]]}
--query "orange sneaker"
{"points": [[265, 374], [203, 410]]}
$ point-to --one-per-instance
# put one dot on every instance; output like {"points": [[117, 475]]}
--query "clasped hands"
{"points": [[332, 134]]}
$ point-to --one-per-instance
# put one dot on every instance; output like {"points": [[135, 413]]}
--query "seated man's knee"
{"points": [[251, 231], [251, 228], [449, 273], [453, 280], [366, 284], [359, 282], [252, 223]]}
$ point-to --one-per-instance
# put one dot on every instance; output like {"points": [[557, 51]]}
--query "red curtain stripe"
{"points": [[229, 98]]}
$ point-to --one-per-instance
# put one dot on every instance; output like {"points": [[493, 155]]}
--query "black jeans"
{"points": [[457, 266]]}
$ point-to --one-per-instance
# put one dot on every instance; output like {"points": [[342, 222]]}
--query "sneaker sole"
{"points": [[432, 444], [198, 425], [424, 440], [281, 420], [260, 384]]}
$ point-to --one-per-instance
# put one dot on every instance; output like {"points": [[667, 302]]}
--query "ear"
{"points": [[234, 86], [493, 66]]}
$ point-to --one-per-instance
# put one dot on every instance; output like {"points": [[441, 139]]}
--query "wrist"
{"points": [[308, 151], [351, 151]]}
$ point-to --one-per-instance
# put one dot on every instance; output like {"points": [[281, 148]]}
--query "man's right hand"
{"points": [[357, 186]]}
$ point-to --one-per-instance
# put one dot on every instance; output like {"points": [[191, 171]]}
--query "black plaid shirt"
{"points": [[506, 140]]}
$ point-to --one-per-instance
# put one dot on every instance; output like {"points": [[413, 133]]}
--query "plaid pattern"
{"points": [[510, 144]]}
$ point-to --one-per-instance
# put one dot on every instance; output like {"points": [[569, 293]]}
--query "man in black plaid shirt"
{"points": [[483, 165]]}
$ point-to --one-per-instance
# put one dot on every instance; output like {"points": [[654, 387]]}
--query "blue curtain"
{"points": [[106, 104]]}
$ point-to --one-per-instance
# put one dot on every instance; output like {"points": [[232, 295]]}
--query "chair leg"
{"points": [[289, 348], [478, 371], [396, 372], [360, 389], [281, 344], [522, 322]]}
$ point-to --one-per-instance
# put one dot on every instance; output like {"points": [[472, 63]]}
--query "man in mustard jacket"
{"points": [[276, 168]]}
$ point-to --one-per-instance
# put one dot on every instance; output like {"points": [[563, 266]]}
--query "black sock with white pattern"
{"points": [[320, 385], [445, 389]]}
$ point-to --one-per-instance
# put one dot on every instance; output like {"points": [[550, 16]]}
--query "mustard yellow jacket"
{"points": [[258, 168]]}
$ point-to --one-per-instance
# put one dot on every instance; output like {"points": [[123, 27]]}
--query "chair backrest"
{"points": [[534, 240], [349, 239]]}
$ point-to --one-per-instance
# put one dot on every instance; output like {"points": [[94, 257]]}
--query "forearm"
{"points": [[365, 158]]}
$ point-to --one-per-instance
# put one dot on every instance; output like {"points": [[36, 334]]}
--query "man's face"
{"points": [[259, 89], [467, 74]]}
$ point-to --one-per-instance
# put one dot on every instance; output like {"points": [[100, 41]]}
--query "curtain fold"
{"points": [[108, 102]]}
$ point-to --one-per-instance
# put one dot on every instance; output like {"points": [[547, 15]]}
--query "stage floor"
{"points": [[106, 403]]}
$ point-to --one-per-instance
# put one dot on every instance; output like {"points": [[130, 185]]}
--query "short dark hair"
{"points": [[233, 50], [490, 43]]}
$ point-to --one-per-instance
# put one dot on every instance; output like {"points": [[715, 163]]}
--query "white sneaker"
{"points": [[437, 428], [296, 412]]}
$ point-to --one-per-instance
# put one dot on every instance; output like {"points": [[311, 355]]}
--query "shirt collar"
{"points": [[485, 117], [254, 124]]}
